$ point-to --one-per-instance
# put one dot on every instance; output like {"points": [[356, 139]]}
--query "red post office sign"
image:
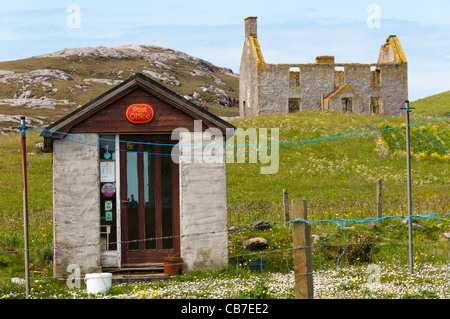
{"points": [[139, 113]]}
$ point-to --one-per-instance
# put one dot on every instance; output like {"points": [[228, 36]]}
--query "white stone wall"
{"points": [[248, 90], [76, 201], [203, 207]]}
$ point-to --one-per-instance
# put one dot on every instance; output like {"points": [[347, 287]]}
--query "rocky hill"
{"points": [[46, 87]]}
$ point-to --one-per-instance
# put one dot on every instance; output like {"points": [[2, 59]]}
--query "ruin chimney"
{"points": [[325, 59], [250, 27]]}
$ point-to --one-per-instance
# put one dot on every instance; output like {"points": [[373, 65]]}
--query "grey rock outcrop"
{"points": [[255, 243]]}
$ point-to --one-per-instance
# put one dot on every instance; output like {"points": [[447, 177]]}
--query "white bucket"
{"points": [[96, 283]]}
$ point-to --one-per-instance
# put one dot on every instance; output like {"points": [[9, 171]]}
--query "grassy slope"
{"points": [[338, 164], [437, 105], [103, 68]]}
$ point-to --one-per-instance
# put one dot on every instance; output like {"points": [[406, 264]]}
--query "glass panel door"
{"points": [[166, 198], [149, 197], [132, 201], [150, 204]]}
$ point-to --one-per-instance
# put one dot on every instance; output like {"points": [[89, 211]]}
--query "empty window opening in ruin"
{"points": [[375, 76], [294, 105], [339, 78], [375, 105], [346, 104], [294, 76]]}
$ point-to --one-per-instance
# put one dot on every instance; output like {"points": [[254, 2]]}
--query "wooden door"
{"points": [[150, 222]]}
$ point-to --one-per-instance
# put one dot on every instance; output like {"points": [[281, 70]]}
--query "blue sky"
{"points": [[289, 31]]}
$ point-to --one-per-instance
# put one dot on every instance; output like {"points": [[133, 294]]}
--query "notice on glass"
{"points": [[107, 172]]}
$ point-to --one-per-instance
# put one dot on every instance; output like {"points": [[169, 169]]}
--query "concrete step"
{"points": [[136, 273]]}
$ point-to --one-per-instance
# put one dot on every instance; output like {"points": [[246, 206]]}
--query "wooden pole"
{"points": [[379, 202], [302, 251], [25, 205], [286, 206]]}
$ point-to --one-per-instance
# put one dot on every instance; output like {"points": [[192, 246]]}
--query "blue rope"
{"points": [[95, 138], [297, 143], [364, 220], [362, 133], [373, 122], [342, 223], [289, 142], [23, 130], [110, 148]]}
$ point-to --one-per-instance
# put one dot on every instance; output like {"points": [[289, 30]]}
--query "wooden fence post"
{"points": [[302, 251], [379, 201], [286, 206]]}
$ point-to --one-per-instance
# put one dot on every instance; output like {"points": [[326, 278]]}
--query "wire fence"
{"points": [[273, 145], [353, 265], [325, 204], [354, 253]]}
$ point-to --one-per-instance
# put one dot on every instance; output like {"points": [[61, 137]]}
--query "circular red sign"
{"points": [[140, 113], [108, 190]]}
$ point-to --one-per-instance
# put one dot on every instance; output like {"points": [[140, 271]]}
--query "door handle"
{"points": [[125, 201]]}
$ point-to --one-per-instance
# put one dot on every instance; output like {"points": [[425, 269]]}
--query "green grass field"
{"points": [[436, 105], [336, 176], [338, 164]]}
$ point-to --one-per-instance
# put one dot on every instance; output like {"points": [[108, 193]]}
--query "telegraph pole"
{"points": [[25, 204], [408, 170]]}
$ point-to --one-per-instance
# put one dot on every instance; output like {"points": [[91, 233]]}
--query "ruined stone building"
{"points": [[265, 88]]}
